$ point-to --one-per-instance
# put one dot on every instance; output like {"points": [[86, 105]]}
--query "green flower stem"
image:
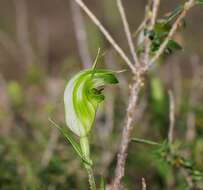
{"points": [[84, 143], [91, 177]]}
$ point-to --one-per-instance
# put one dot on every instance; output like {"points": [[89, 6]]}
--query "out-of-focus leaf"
{"points": [[200, 2], [157, 89], [82, 95], [35, 74], [197, 175], [174, 45], [162, 28], [15, 93]]}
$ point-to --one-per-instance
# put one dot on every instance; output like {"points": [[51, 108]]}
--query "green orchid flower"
{"points": [[82, 96]]}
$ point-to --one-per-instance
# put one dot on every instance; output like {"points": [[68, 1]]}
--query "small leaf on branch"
{"points": [[172, 44], [137, 140]]}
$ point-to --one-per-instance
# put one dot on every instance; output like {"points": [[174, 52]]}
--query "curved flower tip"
{"points": [[82, 95]]}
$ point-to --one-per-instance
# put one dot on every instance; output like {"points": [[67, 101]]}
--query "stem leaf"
{"points": [[137, 140], [68, 136]]}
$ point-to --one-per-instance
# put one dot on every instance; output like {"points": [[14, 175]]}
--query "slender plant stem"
{"points": [[84, 143], [91, 177], [126, 134]]}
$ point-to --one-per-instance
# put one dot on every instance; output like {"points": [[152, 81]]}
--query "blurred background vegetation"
{"points": [[40, 51]]}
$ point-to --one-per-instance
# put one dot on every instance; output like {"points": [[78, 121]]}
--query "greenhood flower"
{"points": [[82, 95]]}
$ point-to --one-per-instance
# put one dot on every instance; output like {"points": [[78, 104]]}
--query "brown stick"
{"points": [[126, 134]]}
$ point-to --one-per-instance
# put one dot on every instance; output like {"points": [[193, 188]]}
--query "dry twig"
{"points": [[126, 134], [127, 32]]}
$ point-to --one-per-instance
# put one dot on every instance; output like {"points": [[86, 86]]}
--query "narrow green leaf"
{"points": [[71, 140], [137, 140], [175, 13]]}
